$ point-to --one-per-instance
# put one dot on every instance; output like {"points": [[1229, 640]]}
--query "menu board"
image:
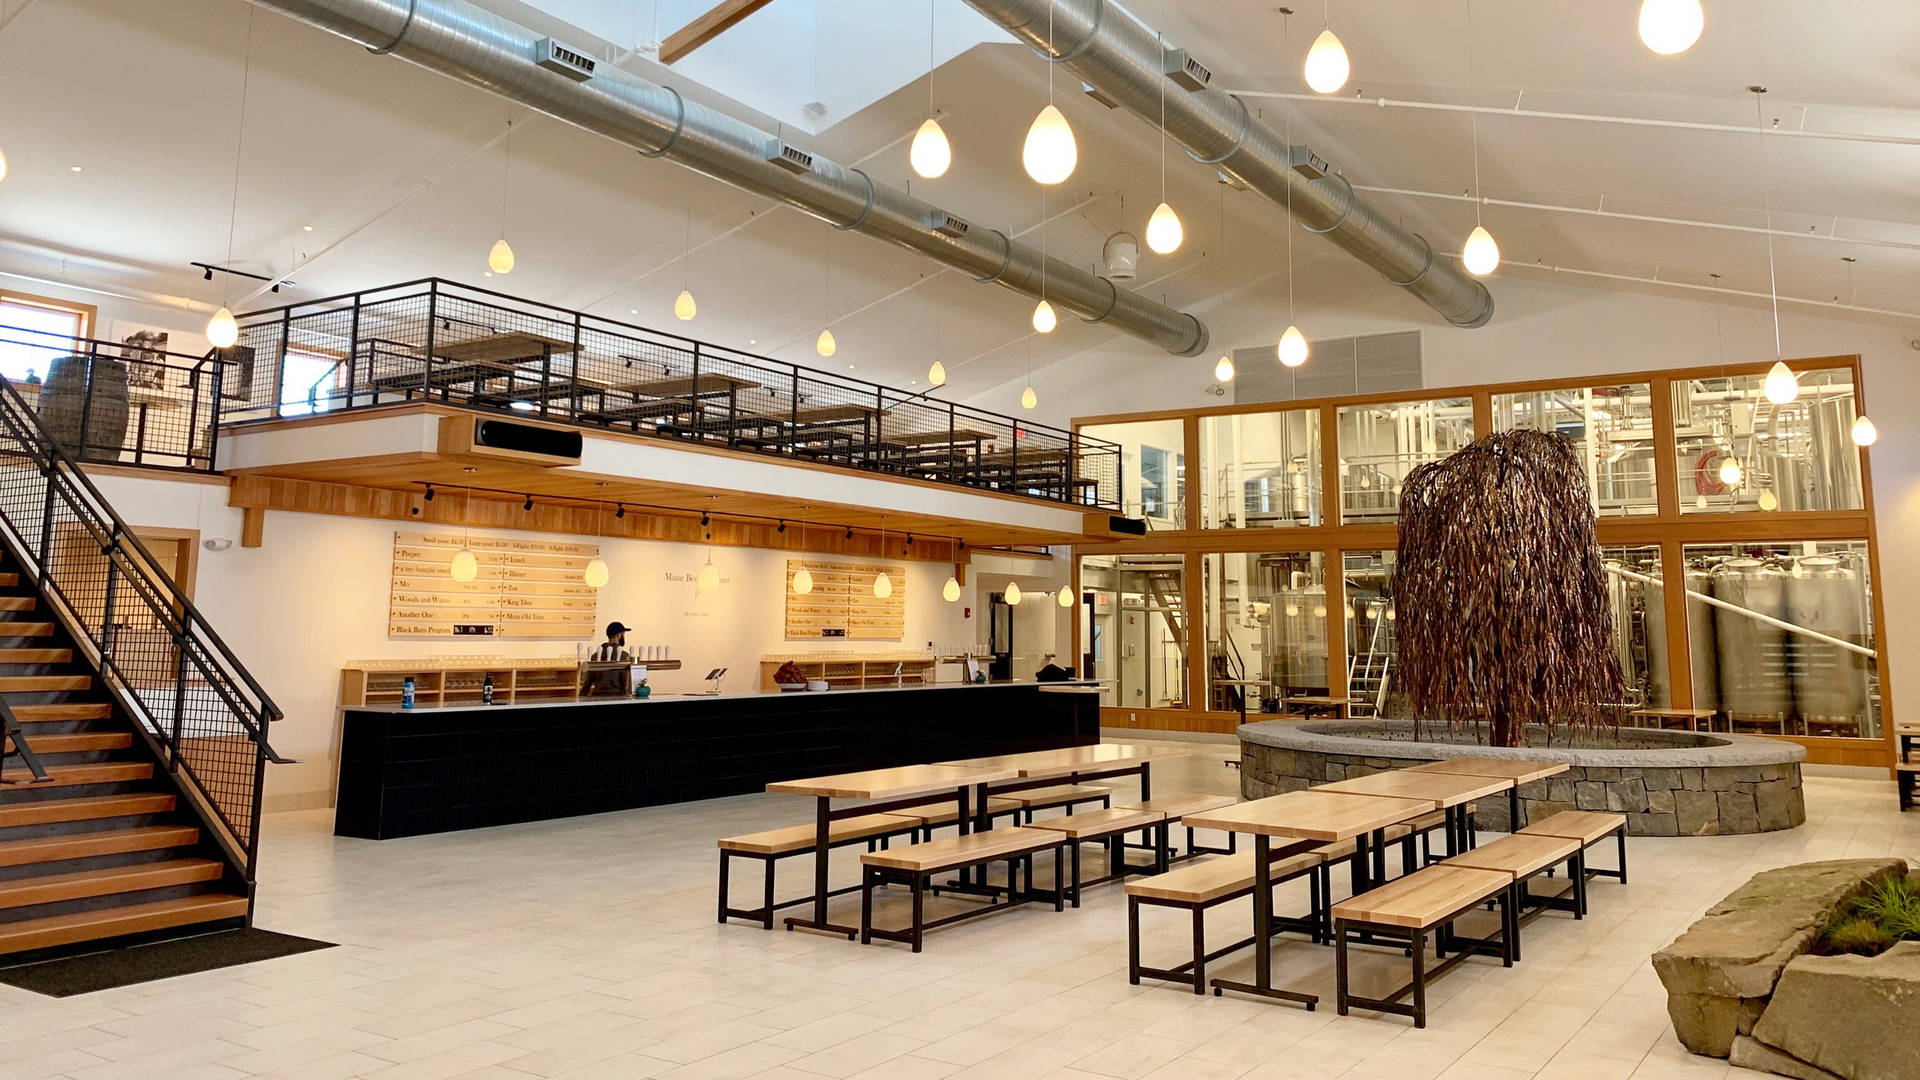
{"points": [[842, 604], [525, 588]]}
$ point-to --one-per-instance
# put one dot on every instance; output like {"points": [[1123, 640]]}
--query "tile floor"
{"points": [[589, 949]]}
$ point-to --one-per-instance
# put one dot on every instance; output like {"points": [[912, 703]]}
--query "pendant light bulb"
{"points": [[1699, 502], [1050, 153], [1029, 399], [950, 592], [1780, 387], [1044, 320], [1327, 66], [3, 166], [1480, 255], [1731, 473], [825, 345], [1671, 26], [1012, 595], [937, 374], [1164, 232], [1293, 347], [802, 581], [1065, 597], [222, 331], [1864, 433], [684, 308], [931, 154], [596, 574], [464, 567], [1223, 371], [709, 578], [882, 585], [500, 257], [1769, 501]]}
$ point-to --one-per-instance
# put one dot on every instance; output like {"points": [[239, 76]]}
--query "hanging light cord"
{"points": [[1477, 200], [1286, 39], [686, 243], [1766, 207], [239, 144], [506, 172]]}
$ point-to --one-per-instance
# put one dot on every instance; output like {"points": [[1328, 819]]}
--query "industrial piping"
{"points": [[477, 47], [1127, 64]]}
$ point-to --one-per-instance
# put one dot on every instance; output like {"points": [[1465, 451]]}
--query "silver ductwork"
{"points": [[478, 47], [1106, 49]]}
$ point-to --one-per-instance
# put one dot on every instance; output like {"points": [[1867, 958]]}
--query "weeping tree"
{"points": [[1504, 617]]}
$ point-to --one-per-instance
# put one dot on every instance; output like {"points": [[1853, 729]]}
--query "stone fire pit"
{"points": [[1668, 783]]}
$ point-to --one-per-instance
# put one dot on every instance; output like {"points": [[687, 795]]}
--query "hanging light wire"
{"points": [[222, 331]]}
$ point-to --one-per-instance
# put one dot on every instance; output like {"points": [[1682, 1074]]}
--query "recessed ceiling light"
{"points": [[753, 341], [633, 311], [74, 168], [849, 367], [306, 228], [489, 273]]}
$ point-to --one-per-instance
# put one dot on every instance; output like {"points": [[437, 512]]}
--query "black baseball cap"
{"points": [[616, 627]]}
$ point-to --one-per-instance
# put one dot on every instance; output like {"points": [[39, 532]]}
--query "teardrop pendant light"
{"points": [[500, 256], [3, 165], [1480, 255], [1044, 320], [1049, 153], [824, 344], [1164, 231], [950, 592], [937, 374], [1769, 501], [1731, 473], [1293, 347], [802, 581], [1065, 597], [882, 585], [1029, 399], [684, 308], [222, 331], [596, 574], [465, 566], [930, 155], [1780, 387], [709, 578], [1327, 66], [1669, 27], [1223, 371], [1864, 433], [1012, 594]]}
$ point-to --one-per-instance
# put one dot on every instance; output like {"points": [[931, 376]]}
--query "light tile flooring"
{"points": [[589, 948]]}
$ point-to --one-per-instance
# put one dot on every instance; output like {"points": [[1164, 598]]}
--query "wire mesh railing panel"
{"points": [[438, 341], [124, 404]]}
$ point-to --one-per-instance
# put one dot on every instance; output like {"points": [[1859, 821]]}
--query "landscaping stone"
{"points": [[1698, 812], [1737, 812], [1720, 971], [1850, 1015], [1750, 1053]]}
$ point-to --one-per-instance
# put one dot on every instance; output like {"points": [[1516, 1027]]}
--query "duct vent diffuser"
{"points": [[564, 59], [791, 158], [1186, 72], [947, 225]]}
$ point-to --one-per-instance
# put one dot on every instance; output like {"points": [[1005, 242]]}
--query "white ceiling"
{"points": [[399, 171]]}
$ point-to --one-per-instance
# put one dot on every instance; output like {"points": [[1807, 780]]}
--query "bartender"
{"points": [[614, 649]]}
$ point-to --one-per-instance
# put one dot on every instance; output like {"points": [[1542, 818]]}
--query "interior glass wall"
{"points": [[1260, 470], [1266, 628], [1372, 648], [1781, 637], [1153, 469], [1137, 630], [1612, 429], [1381, 444], [1737, 451], [1635, 586]]}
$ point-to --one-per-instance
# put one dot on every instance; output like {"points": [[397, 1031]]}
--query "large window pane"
{"points": [[1266, 628], [1778, 650], [1260, 469], [35, 335], [1372, 649], [1634, 583], [1611, 428], [1153, 469], [1798, 456], [1381, 444], [1137, 633]]}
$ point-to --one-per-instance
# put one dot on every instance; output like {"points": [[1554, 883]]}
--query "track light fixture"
{"points": [[621, 511], [706, 519], [528, 505], [849, 532], [782, 528], [429, 495], [208, 276]]}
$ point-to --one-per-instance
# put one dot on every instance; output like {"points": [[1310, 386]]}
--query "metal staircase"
{"points": [[1367, 674]]}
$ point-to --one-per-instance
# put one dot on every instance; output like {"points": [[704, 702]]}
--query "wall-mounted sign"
{"points": [[842, 604], [525, 588]]}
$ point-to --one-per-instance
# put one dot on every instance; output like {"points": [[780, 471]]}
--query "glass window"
{"points": [[1137, 630], [1611, 428], [1372, 648], [1266, 628], [33, 334], [1639, 624], [1153, 469], [1740, 452], [1781, 635], [307, 382], [1381, 444], [1260, 470]]}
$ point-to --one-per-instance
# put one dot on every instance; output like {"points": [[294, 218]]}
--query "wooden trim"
{"points": [[1826, 750], [1332, 512], [135, 472], [1878, 593], [716, 21], [1666, 470], [1169, 720], [1482, 413], [1333, 572], [1673, 603], [253, 526], [1190, 483], [1194, 596], [187, 553], [89, 314]]}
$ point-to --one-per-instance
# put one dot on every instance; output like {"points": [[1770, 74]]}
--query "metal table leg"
{"points": [[1262, 985]]}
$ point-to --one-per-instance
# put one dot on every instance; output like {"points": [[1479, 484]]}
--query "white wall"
{"points": [[314, 598]]}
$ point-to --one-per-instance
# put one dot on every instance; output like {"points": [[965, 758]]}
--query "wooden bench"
{"points": [[1904, 774], [1412, 907], [1198, 886], [930, 817], [1106, 827], [1526, 857], [1021, 804], [915, 865], [775, 844], [1589, 827], [1175, 807]]}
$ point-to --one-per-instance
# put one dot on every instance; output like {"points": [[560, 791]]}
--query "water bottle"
{"points": [[486, 690], [406, 693]]}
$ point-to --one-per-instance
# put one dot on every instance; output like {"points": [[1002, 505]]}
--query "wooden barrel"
{"points": [[79, 404]]}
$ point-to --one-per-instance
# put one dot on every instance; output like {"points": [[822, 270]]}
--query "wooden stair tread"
{"points": [[51, 888], [42, 849], [802, 837], [1089, 823], [957, 851], [77, 743], [1212, 879], [35, 656], [46, 811], [40, 714], [17, 628], [1424, 897], [20, 684], [19, 603], [114, 922], [112, 772], [9, 580], [1585, 826]]}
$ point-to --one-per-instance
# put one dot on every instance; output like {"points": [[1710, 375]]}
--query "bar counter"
{"points": [[407, 772]]}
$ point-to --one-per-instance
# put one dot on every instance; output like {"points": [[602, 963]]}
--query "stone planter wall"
{"points": [[1667, 783]]}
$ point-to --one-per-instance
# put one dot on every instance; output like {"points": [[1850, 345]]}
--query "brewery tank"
{"points": [[1703, 648], [1829, 683], [1754, 679]]}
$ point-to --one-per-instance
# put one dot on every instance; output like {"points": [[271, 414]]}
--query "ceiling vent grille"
{"points": [[948, 225], [791, 158], [1186, 72], [564, 59], [1336, 367]]}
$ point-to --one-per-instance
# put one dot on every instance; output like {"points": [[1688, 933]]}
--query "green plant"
{"points": [[1871, 923], [1856, 934]]}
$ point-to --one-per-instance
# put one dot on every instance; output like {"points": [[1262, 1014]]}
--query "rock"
{"points": [[1660, 802], [1750, 1053], [1698, 812], [1627, 795], [1733, 956], [1660, 779], [1652, 825], [1738, 815], [1772, 799], [1850, 1015], [1590, 794], [1559, 789]]}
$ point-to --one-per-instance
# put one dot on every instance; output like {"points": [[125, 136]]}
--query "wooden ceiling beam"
{"points": [[716, 21]]}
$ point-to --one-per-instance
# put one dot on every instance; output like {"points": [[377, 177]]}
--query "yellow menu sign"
{"points": [[842, 604], [525, 588]]}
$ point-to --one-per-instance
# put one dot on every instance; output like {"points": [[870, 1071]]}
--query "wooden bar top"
{"points": [[1440, 789], [1314, 814], [901, 782], [1514, 769]]}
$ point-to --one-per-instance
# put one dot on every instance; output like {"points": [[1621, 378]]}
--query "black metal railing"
{"points": [[119, 402], [441, 341], [193, 700]]}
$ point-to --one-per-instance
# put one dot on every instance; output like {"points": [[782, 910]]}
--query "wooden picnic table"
{"points": [[1449, 792], [507, 349], [897, 788], [1337, 707], [1518, 770], [1313, 814]]}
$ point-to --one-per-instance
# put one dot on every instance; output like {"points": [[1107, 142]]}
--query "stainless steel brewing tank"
{"points": [[1829, 683], [1755, 680], [1659, 664], [1703, 644]]}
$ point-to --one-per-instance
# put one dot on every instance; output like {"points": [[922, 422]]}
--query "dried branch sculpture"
{"points": [[1503, 607]]}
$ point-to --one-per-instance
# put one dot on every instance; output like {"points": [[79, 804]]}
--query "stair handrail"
{"points": [[191, 635]]}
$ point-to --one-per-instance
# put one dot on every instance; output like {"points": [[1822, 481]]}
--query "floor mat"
{"points": [[112, 968]]}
